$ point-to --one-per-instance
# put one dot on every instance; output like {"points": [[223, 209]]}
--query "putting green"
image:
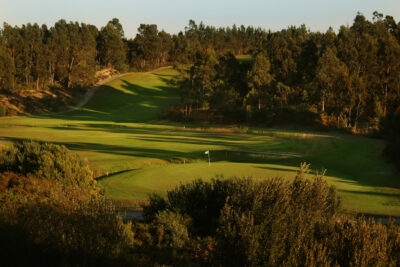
{"points": [[119, 133]]}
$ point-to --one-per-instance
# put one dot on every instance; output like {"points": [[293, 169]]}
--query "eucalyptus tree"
{"points": [[111, 48], [7, 69], [259, 80]]}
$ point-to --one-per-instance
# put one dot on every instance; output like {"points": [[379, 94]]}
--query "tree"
{"points": [[197, 83], [230, 87], [117, 26], [259, 79], [83, 71], [148, 45], [7, 69], [203, 74], [330, 73], [389, 72], [112, 51]]}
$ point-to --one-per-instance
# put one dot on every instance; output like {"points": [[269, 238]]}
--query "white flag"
{"points": [[207, 152]]}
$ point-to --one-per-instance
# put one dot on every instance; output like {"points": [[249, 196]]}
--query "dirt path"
{"points": [[89, 94]]}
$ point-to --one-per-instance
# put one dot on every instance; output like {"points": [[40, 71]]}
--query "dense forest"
{"points": [[350, 79], [52, 213]]}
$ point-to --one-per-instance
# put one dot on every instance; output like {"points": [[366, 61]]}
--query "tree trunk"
{"points": [[69, 80], [51, 71], [357, 112], [385, 102], [70, 72], [349, 123]]}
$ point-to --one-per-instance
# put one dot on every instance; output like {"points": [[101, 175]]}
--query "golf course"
{"points": [[133, 153]]}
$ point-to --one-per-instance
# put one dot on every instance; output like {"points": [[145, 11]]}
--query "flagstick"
{"points": [[209, 160]]}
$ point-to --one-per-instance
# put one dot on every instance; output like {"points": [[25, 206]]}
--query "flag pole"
{"points": [[209, 160]]}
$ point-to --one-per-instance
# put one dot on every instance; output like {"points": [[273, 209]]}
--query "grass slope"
{"points": [[119, 134]]}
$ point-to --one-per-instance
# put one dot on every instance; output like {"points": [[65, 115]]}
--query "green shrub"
{"points": [[52, 213], [47, 161], [156, 205], [43, 220], [172, 229], [265, 223], [276, 222]]}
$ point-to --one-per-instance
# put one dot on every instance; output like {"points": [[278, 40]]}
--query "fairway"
{"points": [[119, 132]]}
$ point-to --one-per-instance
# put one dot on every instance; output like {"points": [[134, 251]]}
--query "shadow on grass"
{"points": [[109, 175], [371, 193], [132, 103], [278, 169], [229, 141]]}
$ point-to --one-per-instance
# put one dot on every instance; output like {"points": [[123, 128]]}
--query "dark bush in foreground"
{"points": [[241, 222], [51, 226], [51, 212]]}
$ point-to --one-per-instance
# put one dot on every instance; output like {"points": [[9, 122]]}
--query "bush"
{"points": [[52, 213], [202, 201], [265, 223], [44, 220], [172, 229], [47, 161], [276, 222]]}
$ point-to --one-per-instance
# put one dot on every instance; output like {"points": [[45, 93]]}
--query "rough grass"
{"points": [[135, 154]]}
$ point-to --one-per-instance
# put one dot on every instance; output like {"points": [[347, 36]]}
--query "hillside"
{"points": [[120, 134]]}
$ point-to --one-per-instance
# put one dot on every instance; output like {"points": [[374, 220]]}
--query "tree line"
{"points": [[348, 79], [69, 53]]}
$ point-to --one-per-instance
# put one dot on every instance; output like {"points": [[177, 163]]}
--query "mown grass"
{"points": [[135, 154]]}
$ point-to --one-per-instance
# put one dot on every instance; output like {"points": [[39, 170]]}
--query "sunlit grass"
{"points": [[118, 131]]}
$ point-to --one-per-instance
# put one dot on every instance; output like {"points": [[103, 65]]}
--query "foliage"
{"points": [[172, 229], [57, 217], [7, 69], [340, 77], [38, 218], [274, 222], [111, 46], [391, 131], [259, 79], [47, 161]]}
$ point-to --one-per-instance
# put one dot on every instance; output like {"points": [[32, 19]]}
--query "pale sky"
{"points": [[173, 15]]}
